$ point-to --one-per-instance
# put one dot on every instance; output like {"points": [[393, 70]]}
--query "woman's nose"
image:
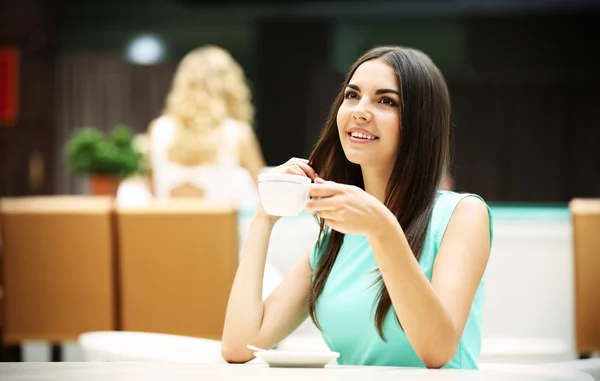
{"points": [[361, 113]]}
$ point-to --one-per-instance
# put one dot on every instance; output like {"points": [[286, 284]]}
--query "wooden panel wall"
{"points": [[26, 148]]}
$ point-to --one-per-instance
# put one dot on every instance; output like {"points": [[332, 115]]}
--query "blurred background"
{"points": [[523, 77]]}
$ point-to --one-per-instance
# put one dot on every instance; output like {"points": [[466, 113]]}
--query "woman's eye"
{"points": [[350, 95], [388, 101]]}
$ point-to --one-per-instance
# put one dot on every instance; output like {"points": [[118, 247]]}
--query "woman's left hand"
{"points": [[345, 208]]}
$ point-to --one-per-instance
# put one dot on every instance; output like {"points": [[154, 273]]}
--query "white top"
{"points": [[222, 181], [150, 371]]}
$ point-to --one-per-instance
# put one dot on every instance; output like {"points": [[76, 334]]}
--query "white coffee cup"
{"points": [[283, 194]]}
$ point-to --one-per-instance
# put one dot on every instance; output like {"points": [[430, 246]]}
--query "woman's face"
{"points": [[369, 118]]}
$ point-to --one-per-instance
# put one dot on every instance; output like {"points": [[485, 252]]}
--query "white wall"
{"points": [[530, 285], [530, 289]]}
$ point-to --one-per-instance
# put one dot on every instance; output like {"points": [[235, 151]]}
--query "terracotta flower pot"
{"points": [[104, 185]]}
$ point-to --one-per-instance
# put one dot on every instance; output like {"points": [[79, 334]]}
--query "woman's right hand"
{"points": [[294, 166]]}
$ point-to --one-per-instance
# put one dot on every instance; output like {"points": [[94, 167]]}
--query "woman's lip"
{"points": [[361, 130], [361, 141]]}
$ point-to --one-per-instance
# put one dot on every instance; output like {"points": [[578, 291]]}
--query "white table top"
{"points": [[114, 371]]}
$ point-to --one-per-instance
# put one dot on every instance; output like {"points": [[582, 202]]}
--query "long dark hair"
{"points": [[423, 153]]}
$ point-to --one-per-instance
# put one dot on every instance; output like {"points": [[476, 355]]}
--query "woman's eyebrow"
{"points": [[378, 92], [387, 91]]}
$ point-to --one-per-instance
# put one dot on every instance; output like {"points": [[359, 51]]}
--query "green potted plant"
{"points": [[107, 158]]}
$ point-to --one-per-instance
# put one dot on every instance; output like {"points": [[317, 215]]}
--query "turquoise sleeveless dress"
{"points": [[345, 309]]}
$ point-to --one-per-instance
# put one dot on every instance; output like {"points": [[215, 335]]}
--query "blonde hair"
{"points": [[209, 87]]}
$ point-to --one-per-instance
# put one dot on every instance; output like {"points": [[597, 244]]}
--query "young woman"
{"points": [[396, 276]]}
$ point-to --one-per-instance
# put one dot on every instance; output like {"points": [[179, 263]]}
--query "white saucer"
{"points": [[296, 359]]}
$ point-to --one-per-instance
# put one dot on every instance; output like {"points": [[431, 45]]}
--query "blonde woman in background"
{"points": [[203, 144]]}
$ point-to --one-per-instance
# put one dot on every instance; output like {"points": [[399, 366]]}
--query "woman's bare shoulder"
{"points": [[163, 120]]}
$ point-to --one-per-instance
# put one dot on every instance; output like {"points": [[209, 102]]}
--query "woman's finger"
{"points": [[308, 170], [321, 204], [326, 189], [300, 166], [295, 170]]}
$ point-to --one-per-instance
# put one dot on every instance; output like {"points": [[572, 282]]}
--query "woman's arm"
{"points": [[149, 178], [250, 321], [251, 156], [433, 314]]}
